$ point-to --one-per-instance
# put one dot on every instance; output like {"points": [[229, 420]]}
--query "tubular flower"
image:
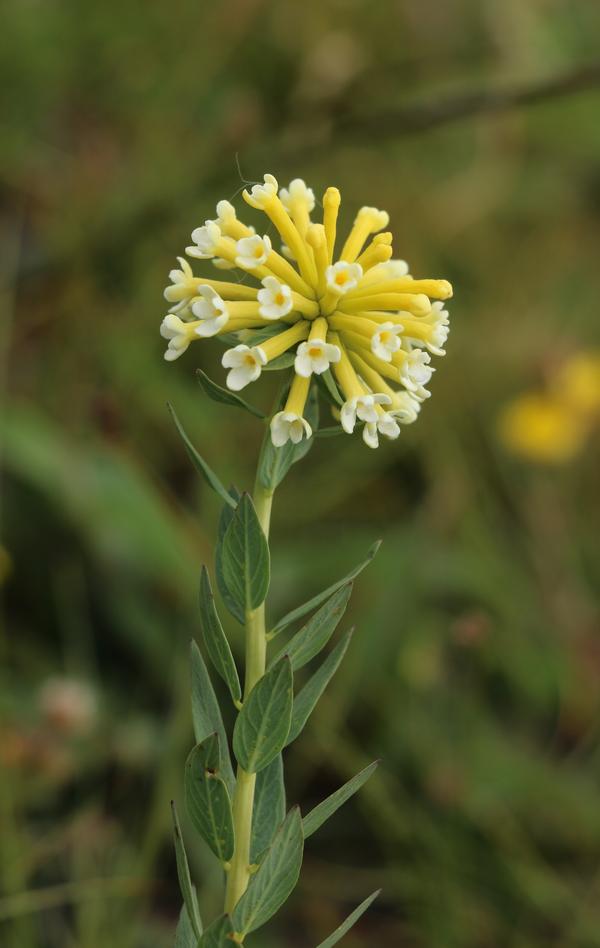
{"points": [[339, 308]]}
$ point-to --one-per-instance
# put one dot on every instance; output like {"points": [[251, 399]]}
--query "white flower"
{"points": [[385, 341], [286, 252], [225, 214], [416, 371], [342, 277], [252, 251], [211, 310], [182, 282], [205, 239], [394, 269], [260, 194], [405, 407], [245, 364], [297, 191], [439, 329], [178, 333], [316, 356], [386, 425], [288, 426], [363, 408], [275, 299]]}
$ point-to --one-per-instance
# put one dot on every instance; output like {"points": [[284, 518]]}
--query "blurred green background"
{"points": [[474, 670]]}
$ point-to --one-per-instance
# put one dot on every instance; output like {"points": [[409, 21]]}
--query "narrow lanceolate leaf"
{"points": [[206, 714], [274, 463], [331, 432], [242, 561], [306, 699], [327, 381], [215, 639], [269, 808], [313, 820], [262, 726], [315, 634], [218, 934], [352, 919], [227, 513], [207, 799], [200, 464], [303, 610], [183, 874], [185, 936], [275, 878], [224, 396]]}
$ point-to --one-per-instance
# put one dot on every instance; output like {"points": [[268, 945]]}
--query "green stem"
{"points": [[256, 657]]}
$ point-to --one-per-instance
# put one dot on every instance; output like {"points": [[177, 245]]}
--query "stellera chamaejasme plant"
{"points": [[352, 328]]}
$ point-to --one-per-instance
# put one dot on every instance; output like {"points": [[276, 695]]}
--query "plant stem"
{"points": [[256, 656]]}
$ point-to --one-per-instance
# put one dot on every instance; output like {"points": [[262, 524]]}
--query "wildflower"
{"points": [[542, 428], [342, 305]]}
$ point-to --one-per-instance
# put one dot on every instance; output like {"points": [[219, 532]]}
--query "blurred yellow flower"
{"points": [[542, 428], [579, 382], [356, 311]]}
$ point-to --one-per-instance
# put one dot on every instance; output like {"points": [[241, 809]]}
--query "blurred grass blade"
{"points": [[218, 934], [313, 820], [301, 611], [307, 698], [242, 561], [263, 724], [269, 807], [200, 464], [207, 799], [185, 936], [183, 874], [206, 714], [352, 919], [224, 396], [315, 634], [275, 878], [215, 639]]}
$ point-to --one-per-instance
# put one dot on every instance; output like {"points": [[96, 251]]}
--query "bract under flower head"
{"points": [[344, 305]]}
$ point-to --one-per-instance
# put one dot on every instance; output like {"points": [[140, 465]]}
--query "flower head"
{"points": [[344, 309]]}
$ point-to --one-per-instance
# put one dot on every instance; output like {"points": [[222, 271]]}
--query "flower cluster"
{"points": [[358, 312]]}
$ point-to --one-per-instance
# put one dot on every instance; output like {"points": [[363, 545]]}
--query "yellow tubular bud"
{"points": [[319, 329], [416, 303], [368, 221], [238, 323], [387, 369], [277, 213], [229, 291], [296, 400], [331, 205], [374, 255], [343, 370], [316, 238], [277, 345], [358, 324], [308, 308], [438, 289], [374, 379], [236, 229]]}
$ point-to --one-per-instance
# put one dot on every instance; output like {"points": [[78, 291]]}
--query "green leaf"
{"points": [[274, 463], [301, 611], [306, 699], [315, 634], [284, 361], [215, 639], [313, 820], [254, 337], [227, 513], [224, 396], [352, 919], [329, 432], [269, 807], [263, 724], [185, 937], [275, 878], [206, 714], [218, 934], [207, 799], [199, 463], [331, 390], [242, 561], [183, 874]]}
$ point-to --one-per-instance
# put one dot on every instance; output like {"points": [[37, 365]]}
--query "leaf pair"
{"points": [[242, 559]]}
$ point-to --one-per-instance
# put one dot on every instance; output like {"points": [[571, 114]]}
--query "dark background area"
{"points": [[474, 669]]}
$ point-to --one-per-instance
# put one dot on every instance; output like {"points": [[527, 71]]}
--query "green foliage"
{"points": [[315, 634], [275, 878], [315, 819], [206, 714], [307, 607], [274, 463], [200, 464], [188, 892], [207, 799], [269, 807], [215, 639], [185, 936], [263, 724], [307, 697], [225, 396], [218, 934], [352, 919], [242, 561]]}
